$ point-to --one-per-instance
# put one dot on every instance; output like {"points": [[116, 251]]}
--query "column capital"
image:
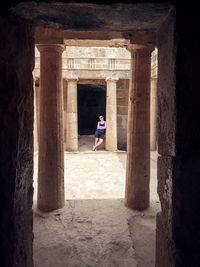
{"points": [[113, 79], [71, 79], [140, 48], [44, 47]]}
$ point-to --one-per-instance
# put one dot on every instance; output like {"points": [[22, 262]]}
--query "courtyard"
{"points": [[95, 228]]}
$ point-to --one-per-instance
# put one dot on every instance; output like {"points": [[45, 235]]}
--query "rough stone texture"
{"points": [[166, 88], [166, 142], [122, 113], [95, 17], [179, 144], [164, 238], [16, 138]]}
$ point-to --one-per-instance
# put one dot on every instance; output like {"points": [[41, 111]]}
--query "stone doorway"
{"points": [[112, 85], [163, 132], [91, 103]]}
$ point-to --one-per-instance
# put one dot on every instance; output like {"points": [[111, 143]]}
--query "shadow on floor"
{"points": [[95, 233]]}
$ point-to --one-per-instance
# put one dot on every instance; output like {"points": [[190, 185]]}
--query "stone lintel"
{"points": [[92, 81], [44, 35], [98, 74], [117, 42]]}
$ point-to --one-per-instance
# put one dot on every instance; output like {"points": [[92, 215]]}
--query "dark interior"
{"points": [[91, 103]]}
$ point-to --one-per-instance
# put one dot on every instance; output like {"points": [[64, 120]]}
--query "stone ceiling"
{"points": [[91, 17]]}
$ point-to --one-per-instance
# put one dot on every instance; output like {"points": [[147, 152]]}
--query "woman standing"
{"points": [[100, 131]]}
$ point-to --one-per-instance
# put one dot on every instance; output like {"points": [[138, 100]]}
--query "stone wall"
{"points": [[92, 62], [96, 52], [16, 139], [122, 113], [178, 225], [166, 141]]}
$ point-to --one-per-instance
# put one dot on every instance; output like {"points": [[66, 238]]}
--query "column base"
{"points": [[138, 205]]}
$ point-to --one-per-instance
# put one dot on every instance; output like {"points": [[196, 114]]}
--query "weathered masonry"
{"points": [[144, 25]]}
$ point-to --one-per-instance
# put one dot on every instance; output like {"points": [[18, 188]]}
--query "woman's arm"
{"points": [[102, 127]]}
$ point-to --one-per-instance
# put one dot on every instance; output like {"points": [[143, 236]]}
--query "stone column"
{"points": [[51, 154], [37, 96], [111, 115], [65, 109], [153, 127], [35, 130], [72, 116], [138, 136]]}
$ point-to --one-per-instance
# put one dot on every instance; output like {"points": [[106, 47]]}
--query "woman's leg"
{"points": [[96, 140], [95, 143], [98, 143]]}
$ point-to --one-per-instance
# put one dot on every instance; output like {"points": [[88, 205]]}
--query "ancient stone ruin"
{"points": [[171, 27]]}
